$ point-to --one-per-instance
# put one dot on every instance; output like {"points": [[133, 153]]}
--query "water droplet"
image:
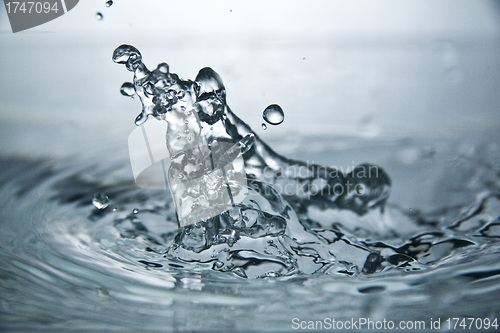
{"points": [[186, 121], [273, 114], [135, 211], [127, 89], [264, 126], [98, 16], [109, 3], [115, 209], [100, 200]]}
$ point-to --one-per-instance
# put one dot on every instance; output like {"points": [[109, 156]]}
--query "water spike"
{"points": [[128, 55], [210, 95], [209, 82]]}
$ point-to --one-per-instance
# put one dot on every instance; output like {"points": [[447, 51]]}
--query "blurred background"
{"points": [[388, 70]]}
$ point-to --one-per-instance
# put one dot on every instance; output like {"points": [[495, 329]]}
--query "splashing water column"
{"points": [[232, 191]]}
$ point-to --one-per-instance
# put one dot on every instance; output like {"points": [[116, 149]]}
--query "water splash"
{"points": [[265, 231]]}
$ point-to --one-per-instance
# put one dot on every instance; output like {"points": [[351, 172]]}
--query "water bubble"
{"points": [[273, 114], [109, 3], [100, 200], [135, 211], [98, 16], [127, 89], [264, 126]]}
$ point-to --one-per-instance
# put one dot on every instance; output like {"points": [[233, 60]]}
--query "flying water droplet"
{"points": [[100, 200], [273, 114], [98, 16], [109, 3], [135, 211], [127, 89], [264, 126]]}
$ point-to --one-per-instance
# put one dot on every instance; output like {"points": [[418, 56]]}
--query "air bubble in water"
{"points": [[273, 114], [100, 200], [127, 89], [98, 16], [264, 126], [109, 3]]}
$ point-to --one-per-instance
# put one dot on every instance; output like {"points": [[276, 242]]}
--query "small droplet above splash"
{"points": [[127, 89], [98, 16], [273, 114], [100, 200], [135, 211], [264, 126], [109, 3]]}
